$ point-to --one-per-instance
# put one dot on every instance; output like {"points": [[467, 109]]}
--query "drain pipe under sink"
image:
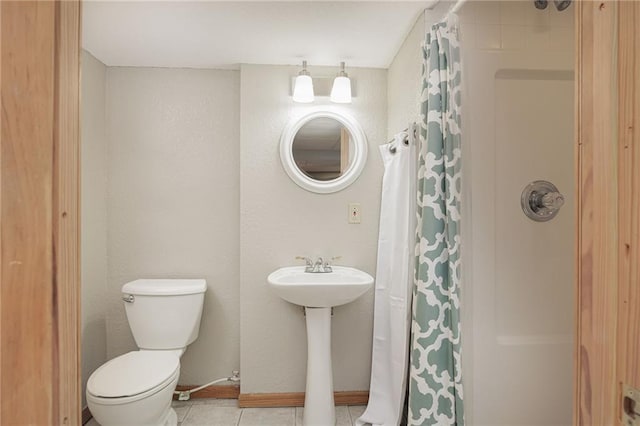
{"points": [[186, 394]]}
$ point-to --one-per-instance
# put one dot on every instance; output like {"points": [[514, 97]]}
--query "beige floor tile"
{"points": [[342, 416], [356, 411], [299, 414], [212, 401], [268, 417], [92, 422], [175, 404], [210, 414], [182, 411]]}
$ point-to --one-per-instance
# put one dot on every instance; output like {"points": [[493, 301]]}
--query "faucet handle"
{"points": [[329, 262], [308, 263]]}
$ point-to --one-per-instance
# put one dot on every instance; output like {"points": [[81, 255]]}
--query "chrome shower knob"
{"points": [[541, 201], [552, 200]]}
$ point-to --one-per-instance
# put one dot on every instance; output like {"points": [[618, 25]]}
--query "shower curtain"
{"points": [[435, 376], [394, 280]]}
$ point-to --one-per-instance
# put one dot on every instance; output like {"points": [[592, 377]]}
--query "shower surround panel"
{"points": [[518, 288]]}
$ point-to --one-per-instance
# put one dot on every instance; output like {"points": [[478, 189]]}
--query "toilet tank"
{"points": [[164, 313]]}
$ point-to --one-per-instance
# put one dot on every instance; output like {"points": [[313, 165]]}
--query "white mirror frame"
{"points": [[326, 186]]}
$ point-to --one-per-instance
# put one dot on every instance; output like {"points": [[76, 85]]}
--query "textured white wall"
{"points": [[174, 201], [94, 216], [403, 81], [280, 220]]}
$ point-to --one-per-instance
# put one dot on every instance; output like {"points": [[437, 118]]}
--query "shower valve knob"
{"points": [[552, 200], [541, 201]]}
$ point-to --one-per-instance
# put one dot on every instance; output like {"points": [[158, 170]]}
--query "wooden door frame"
{"points": [[628, 326], [596, 247], [607, 167], [40, 214]]}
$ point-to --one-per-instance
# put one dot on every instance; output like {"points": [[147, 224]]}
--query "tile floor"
{"points": [[225, 412]]}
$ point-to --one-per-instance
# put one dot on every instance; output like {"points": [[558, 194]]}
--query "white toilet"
{"points": [[136, 388]]}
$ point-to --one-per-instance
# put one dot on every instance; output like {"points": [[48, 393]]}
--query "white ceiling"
{"points": [[213, 34]]}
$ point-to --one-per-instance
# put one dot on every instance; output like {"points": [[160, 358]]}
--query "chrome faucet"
{"points": [[308, 263], [320, 266]]}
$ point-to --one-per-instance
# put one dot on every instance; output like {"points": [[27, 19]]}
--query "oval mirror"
{"points": [[323, 151]]}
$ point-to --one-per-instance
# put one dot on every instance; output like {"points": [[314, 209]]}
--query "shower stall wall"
{"points": [[517, 311]]}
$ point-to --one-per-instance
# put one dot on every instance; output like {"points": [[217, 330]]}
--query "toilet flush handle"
{"points": [[128, 298]]}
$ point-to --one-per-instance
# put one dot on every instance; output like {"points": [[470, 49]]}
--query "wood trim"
{"points": [[628, 339], [39, 303], [296, 399], [214, 391], [608, 171], [351, 397], [578, 24], [597, 221], [26, 216], [66, 212]]}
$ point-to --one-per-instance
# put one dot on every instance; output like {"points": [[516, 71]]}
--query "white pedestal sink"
{"points": [[318, 293]]}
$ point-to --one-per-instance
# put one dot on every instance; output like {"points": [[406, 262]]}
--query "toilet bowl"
{"points": [[137, 388]]}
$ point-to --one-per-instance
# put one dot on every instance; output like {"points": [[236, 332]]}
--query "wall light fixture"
{"points": [[341, 91], [303, 87]]}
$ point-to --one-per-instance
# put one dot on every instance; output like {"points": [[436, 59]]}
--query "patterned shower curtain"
{"points": [[435, 387]]}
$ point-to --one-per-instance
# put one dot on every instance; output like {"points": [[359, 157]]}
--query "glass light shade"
{"points": [[303, 89], [341, 90]]}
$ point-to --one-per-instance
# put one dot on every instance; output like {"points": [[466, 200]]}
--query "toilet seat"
{"points": [[133, 376]]}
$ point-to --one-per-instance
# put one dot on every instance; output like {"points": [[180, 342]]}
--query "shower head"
{"points": [[562, 4], [541, 4]]}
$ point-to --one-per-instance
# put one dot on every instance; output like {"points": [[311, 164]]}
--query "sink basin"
{"points": [[319, 290], [318, 293]]}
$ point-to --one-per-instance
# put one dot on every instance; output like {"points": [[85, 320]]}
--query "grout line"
{"points": [[240, 417], [187, 413]]}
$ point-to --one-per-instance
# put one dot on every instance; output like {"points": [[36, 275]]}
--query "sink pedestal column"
{"points": [[319, 407]]}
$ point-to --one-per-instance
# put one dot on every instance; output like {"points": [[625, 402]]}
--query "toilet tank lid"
{"points": [[165, 287]]}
